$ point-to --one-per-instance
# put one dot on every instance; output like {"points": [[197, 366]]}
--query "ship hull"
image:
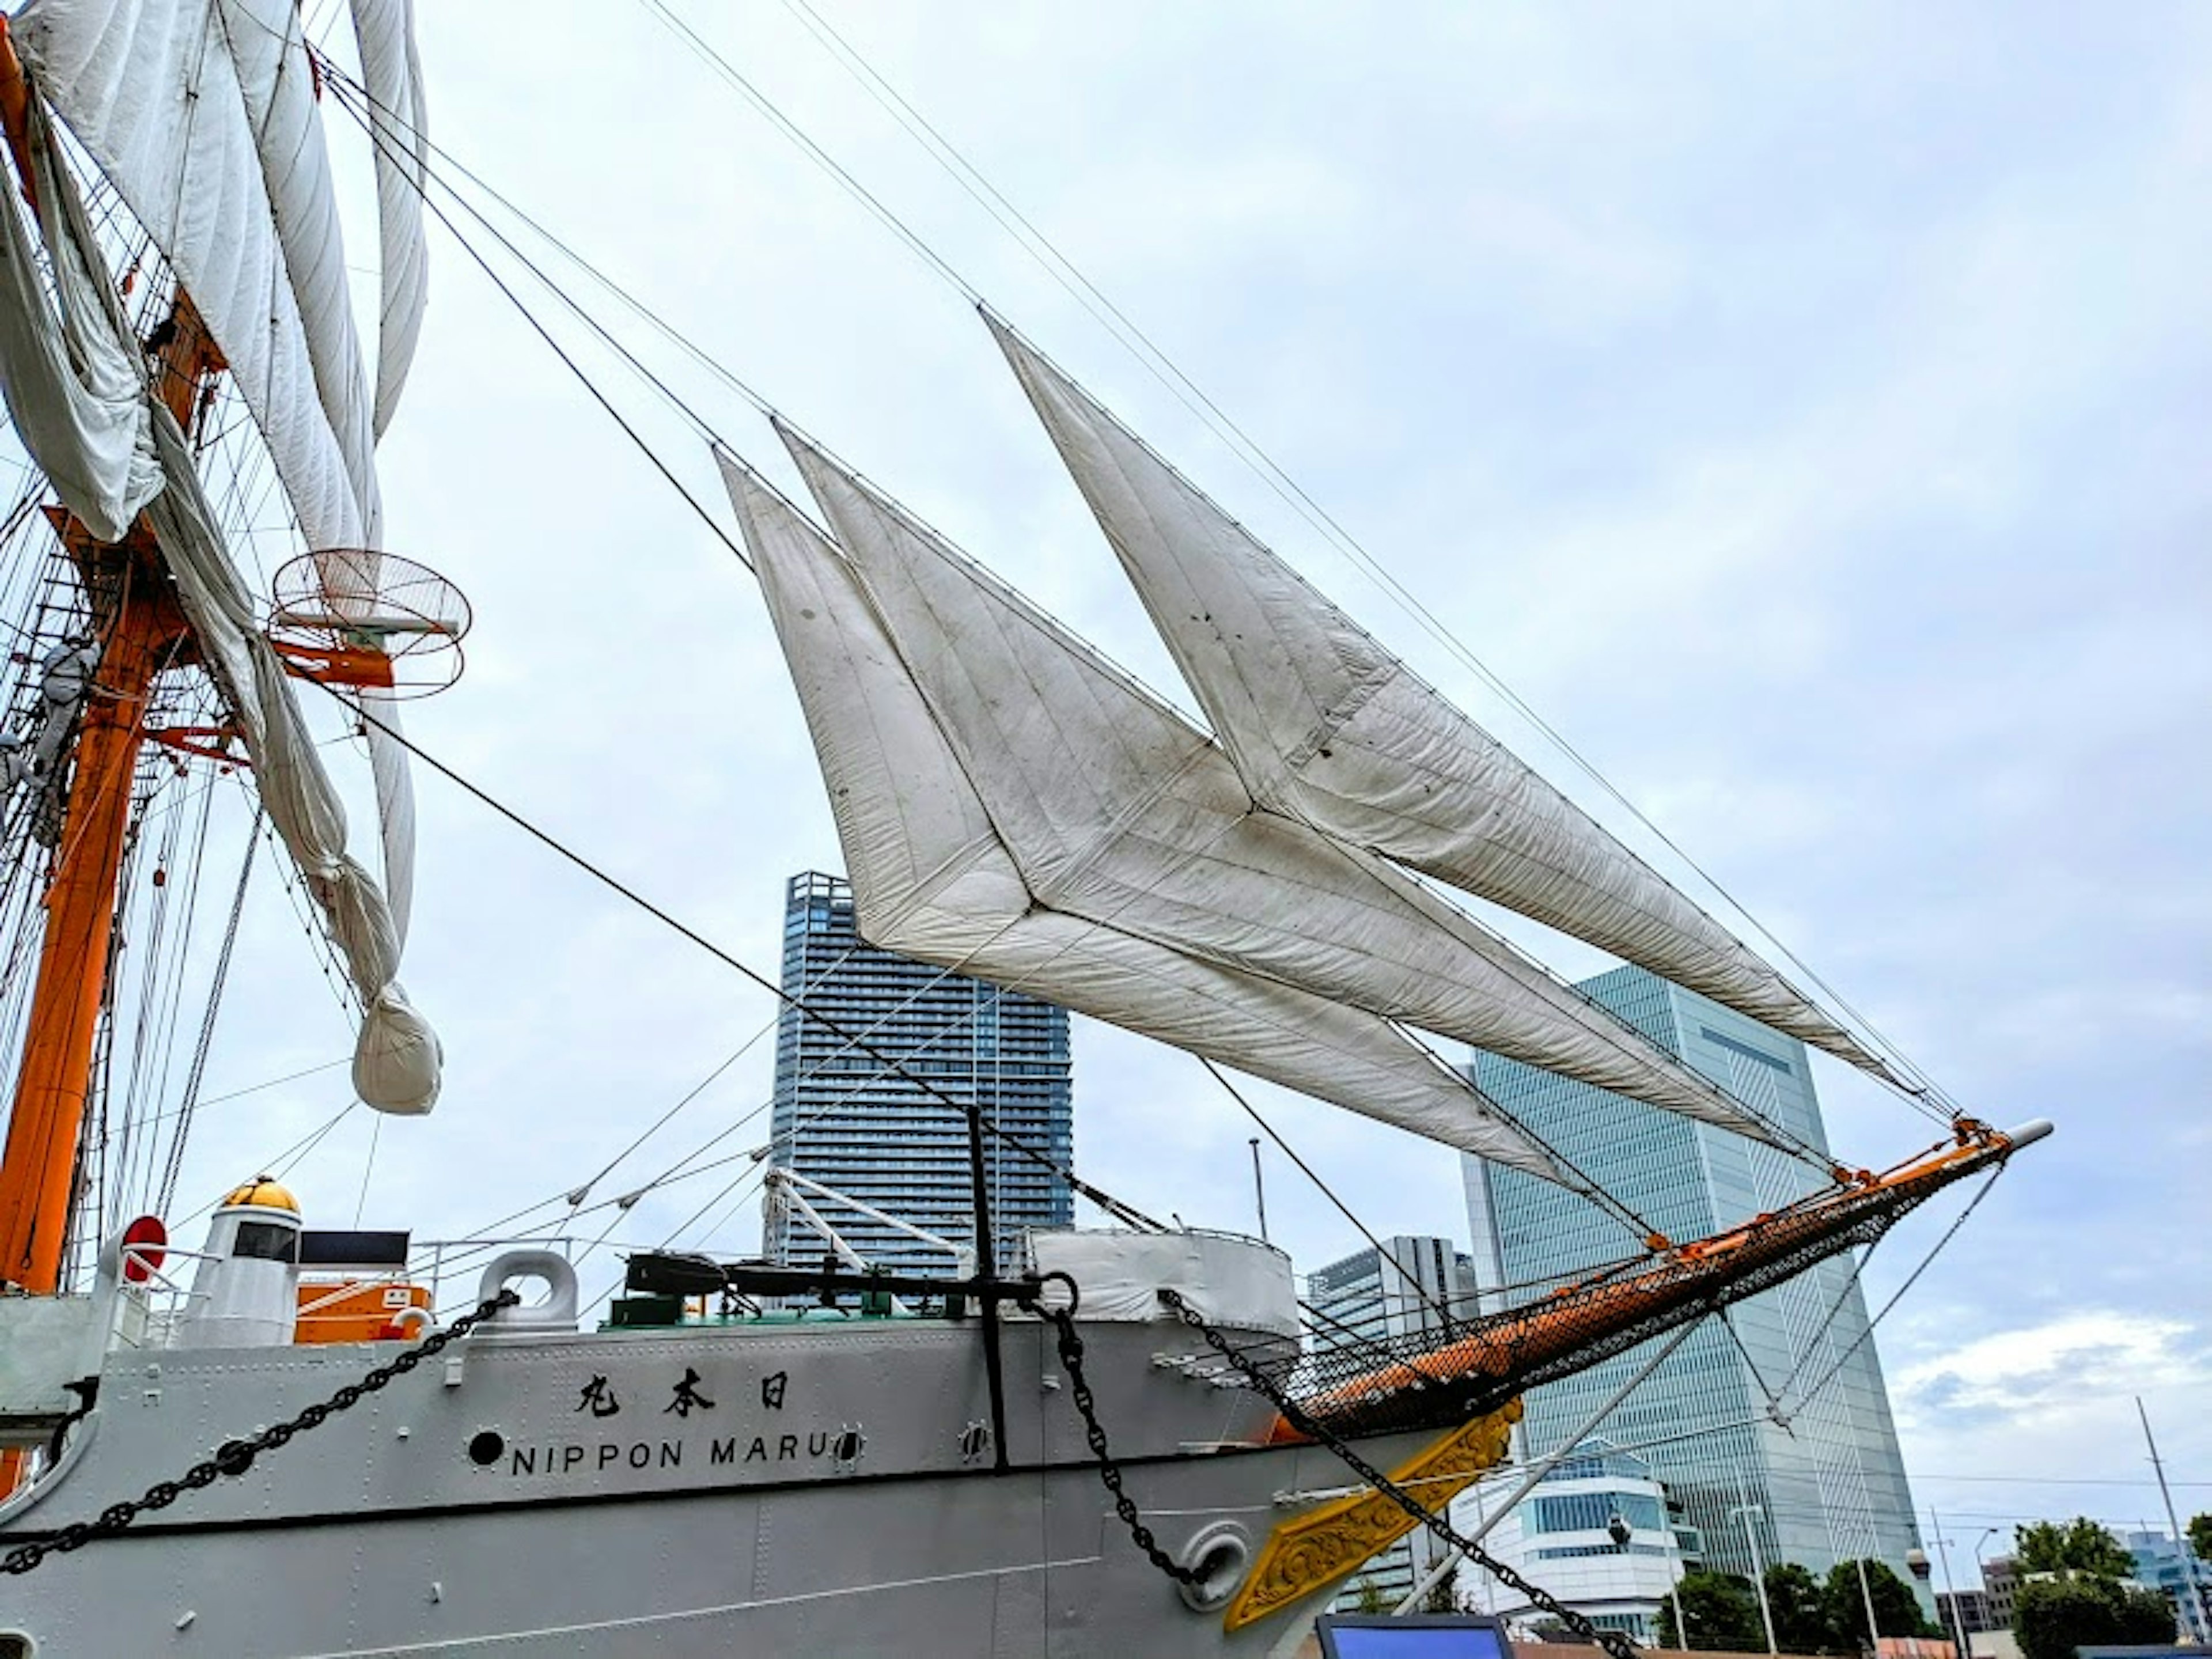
{"points": [[571, 1494]]}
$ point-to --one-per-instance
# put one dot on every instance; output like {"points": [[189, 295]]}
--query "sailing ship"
{"points": [[1079, 1443]]}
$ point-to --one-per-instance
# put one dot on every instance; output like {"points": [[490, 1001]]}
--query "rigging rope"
{"points": [[1105, 1201]]}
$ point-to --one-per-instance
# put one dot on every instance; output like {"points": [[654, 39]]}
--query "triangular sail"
{"points": [[932, 879], [1327, 726], [1115, 809]]}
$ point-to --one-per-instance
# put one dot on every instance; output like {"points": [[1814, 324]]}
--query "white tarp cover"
{"points": [[1327, 726], [391, 72], [74, 382], [1116, 810], [396, 1061], [203, 117], [932, 879], [1236, 1282]]}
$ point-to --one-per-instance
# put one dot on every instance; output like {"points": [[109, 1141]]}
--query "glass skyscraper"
{"points": [[1828, 1484], [841, 1118]]}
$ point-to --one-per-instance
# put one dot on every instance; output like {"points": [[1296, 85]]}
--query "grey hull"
{"points": [[815, 1490]]}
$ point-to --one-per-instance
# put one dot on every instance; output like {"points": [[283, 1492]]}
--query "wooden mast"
{"points": [[142, 629]]}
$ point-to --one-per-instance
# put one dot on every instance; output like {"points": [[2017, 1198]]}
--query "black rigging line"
{"points": [[567, 361], [197, 1070], [1106, 1201]]}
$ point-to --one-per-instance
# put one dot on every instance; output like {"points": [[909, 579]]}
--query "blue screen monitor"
{"points": [[1417, 1636]]}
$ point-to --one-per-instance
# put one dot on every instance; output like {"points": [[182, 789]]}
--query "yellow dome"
{"points": [[264, 1193]]}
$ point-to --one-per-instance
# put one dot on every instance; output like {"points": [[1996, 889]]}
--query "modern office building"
{"points": [[880, 1137], [1828, 1484], [1423, 1281], [1598, 1531], [2168, 1565], [1410, 1285]]}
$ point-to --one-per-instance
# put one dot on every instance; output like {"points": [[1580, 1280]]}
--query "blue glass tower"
{"points": [[841, 1118], [1830, 1485]]}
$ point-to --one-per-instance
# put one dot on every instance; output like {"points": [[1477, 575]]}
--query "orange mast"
{"points": [[142, 630]]}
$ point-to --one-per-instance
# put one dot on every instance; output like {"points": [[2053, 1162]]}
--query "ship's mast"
{"points": [[142, 630]]}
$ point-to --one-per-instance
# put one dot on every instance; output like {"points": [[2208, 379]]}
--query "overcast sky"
{"points": [[1804, 410]]}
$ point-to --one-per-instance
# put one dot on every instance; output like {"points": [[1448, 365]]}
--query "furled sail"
{"points": [[154, 93], [74, 379], [1115, 809], [931, 878], [203, 118], [396, 1055], [392, 74], [1326, 726]]}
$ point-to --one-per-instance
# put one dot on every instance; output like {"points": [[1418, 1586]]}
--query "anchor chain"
{"points": [[1110, 1471], [1615, 1644], [233, 1457]]}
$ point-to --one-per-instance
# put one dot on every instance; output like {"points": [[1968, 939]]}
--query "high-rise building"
{"points": [[878, 1136], [1409, 1285], [1826, 1485], [1423, 1281]]}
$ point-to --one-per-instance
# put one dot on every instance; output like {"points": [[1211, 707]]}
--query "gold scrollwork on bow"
{"points": [[1335, 1539]]}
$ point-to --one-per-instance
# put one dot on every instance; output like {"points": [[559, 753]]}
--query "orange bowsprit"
{"points": [[1509, 1349]]}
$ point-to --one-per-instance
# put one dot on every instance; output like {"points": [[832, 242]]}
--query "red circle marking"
{"points": [[143, 1249]]}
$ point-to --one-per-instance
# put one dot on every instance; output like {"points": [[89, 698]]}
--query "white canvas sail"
{"points": [[204, 119], [1115, 809], [1326, 726], [932, 879], [74, 379], [397, 1060], [392, 74], [154, 94]]}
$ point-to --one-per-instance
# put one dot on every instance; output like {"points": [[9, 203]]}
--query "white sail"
{"points": [[392, 74], [932, 879], [203, 118], [74, 379], [1327, 726], [1116, 810], [268, 45], [397, 1060], [154, 94]]}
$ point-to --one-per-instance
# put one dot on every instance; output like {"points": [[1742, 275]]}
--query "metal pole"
{"points": [[1943, 1548], [1874, 1626], [2202, 1622], [1674, 1584], [1259, 1188], [1545, 1465], [1758, 1567]]}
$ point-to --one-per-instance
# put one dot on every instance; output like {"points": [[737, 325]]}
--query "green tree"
{"points": [[1443, 1595], [1367, 1597], [1721, 1611], [1800, 1611], [2200, 1535], [2078, 1546], [1895, 1606], [2053, 1617]]}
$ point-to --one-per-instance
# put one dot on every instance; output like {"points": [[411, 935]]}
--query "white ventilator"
{"points": [[1326, 726]]}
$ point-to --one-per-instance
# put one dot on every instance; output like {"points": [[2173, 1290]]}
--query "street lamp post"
{"points": [[1874, 1626], [1758, 1568], [1958, 1623]]}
